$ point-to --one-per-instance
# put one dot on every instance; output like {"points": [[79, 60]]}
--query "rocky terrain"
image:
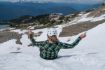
{"points": [[85, 24], [53, 19], [78, 28], [41, 21], [7, 35]]}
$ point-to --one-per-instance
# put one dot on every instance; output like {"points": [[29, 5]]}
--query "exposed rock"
{"points": [[7, 35], [78, 28], [98, 12]]}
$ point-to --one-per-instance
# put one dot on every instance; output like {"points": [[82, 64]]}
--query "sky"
{"points": [[68, 1]]}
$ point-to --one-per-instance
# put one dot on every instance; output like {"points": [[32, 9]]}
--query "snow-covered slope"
{"points": [[93, 16], [87, 55], [85, 18]]}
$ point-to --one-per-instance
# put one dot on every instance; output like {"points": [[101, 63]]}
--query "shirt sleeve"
{"points": [[35, 43], [72, 45]]}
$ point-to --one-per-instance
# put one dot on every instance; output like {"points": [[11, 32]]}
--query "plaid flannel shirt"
{"points": [[50, 50]]}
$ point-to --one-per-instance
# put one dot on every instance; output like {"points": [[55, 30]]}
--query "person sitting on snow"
{"points": [[49, 49]]}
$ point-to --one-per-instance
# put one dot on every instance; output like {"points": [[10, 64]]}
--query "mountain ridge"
{"points": [[13, 10]]}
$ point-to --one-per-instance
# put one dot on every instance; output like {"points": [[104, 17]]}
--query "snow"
{"points": [[8, 46], [87, 55], [98, 18], [19, 31], [84, 18], [25, 41]]}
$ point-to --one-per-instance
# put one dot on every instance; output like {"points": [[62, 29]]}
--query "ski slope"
{"points": [[87, 55]]}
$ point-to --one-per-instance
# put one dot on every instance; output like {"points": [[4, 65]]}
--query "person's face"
{"points": [[52, 38]]}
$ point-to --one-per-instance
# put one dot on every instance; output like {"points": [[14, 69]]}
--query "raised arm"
{"points": [[34, 43], [72, 45]]}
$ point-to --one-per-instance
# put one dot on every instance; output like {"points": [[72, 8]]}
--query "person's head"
{"points": [[52, 35]]}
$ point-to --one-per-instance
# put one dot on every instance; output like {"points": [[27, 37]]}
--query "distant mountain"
{"points": [[10, 10], [84, 7], [98, 12]]}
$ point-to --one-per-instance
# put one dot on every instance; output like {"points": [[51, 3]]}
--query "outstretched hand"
{"points": [[30, 33], [83, 35]]}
